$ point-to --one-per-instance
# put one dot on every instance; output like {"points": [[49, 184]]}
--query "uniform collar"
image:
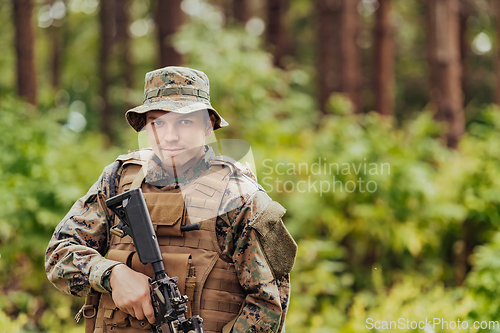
{"points": [[159, 177]]}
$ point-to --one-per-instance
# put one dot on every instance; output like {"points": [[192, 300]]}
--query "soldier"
{"points": [[235, 269]]}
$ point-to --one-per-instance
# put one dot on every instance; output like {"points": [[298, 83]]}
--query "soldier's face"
{"points": [[177, 138]]}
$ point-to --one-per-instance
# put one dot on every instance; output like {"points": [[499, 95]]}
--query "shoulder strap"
{"points": [[139, 178], [138, 157], [113, 178], [237, 167], [225, 161]]}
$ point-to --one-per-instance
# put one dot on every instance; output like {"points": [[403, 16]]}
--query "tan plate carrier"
{"points": [[206, 277]]}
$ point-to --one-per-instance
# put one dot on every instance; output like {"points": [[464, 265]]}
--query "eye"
{"points": [[185, 122], [158, 122]]}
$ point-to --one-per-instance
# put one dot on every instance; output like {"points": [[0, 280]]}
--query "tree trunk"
{"points": [[58, 35], [226, 8], [497, 10], [169, 18], [106, 19], [465, 13], [276, 36], [56, 55], [338, 65], [25, 49], [384, 59], [350, 63], [328, 15], [122, 42], [241, 11], [444, 62]]}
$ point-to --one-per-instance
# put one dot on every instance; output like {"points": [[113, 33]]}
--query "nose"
{"points": [[170, 133]]}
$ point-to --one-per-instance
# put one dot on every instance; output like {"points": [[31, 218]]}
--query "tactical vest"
{"points": [[205, 276]]}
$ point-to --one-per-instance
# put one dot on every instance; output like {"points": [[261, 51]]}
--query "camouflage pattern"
{"points": [[173, 77], [75, 260], [159, 177]]}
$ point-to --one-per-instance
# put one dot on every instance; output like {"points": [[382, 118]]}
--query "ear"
{"points": [[210, 125]]}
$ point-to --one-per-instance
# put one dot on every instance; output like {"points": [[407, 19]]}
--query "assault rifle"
{"points": [[168, 303]]}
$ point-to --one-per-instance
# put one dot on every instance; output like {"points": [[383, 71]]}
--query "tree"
{"points": [[57, 45], [106, 19], [276, 35], [497, 11], [58, 36], [445, 69], [465, 13], [169, 18], [328, 15], [123, 41], [338, 64], [241, 12], [350, 60], [25, 49], [384, 59]]}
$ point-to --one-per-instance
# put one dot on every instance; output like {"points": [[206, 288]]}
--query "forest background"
{"points": [[408, 84]]}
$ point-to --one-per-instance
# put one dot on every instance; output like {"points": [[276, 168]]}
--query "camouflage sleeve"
{"points": [[284, 288], [74, 261], [267, 296]]}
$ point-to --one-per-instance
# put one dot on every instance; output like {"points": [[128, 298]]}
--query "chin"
{"points": [[179, 159]]}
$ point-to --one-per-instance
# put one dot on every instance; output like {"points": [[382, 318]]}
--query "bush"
{"points": [[414, 233], [44, 168]]}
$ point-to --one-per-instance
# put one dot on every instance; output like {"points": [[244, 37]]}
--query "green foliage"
{"points": [[7, 60], [401, 247], [44, 168], [321, 285], [484, 282], [413, 299], [9, 325], [385, 216]]}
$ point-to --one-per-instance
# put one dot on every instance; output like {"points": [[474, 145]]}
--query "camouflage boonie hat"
{"points": [[176, 89]]}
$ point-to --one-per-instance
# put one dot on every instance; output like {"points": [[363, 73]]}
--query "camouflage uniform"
{"points": [[76, 265]]}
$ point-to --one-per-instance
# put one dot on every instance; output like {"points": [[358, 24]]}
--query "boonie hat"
{"points": [[176, 89]]}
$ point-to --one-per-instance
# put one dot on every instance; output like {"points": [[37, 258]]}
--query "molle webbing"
{"points": [[213, 325]]}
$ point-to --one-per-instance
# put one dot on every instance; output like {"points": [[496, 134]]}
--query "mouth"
{"points": [[172, 151]]}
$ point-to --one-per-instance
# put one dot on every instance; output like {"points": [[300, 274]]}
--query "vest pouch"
{"points": [[176, 264], [139, 324], [167, 211], [112, 316]]}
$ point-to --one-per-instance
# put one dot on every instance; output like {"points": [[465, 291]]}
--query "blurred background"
{"points": [[360, 84]]}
